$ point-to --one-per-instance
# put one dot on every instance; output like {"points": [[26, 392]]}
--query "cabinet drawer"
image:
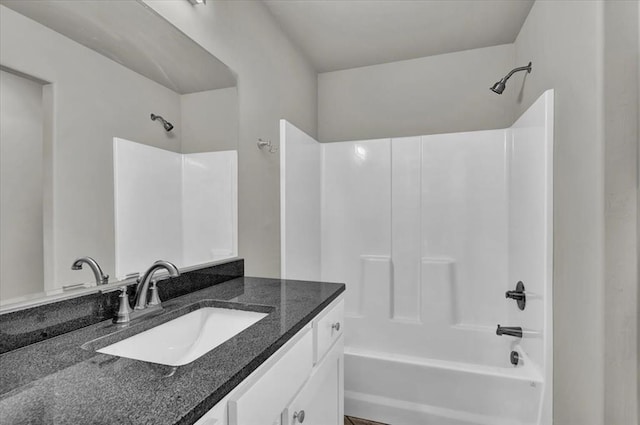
{"points": [[264, 401], [327, 329]]}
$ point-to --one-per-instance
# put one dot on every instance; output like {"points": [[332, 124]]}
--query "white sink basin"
{"points": [[182, 340]]}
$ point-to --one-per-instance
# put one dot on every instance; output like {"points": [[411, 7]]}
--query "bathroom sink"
{"points": [[182, 340]]}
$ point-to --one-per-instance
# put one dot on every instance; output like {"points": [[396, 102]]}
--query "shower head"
{"points": [[499, 86], [166, 124], [502, 84]]}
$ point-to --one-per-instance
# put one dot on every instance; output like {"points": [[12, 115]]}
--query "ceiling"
{"points": [[133, 35], [342, 34]]}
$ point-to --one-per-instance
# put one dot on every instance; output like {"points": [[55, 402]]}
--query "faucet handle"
{"points": [[124, 309], [519, 295], [155, 297]]}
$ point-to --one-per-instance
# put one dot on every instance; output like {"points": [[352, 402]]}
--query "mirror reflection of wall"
{"points": [[96, 96], [21, 190], [209, 120]]}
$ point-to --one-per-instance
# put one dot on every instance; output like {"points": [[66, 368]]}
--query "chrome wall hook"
{"points": [[262, 144]]}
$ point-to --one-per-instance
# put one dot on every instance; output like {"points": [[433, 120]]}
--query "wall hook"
{"points": [[262, 144]]}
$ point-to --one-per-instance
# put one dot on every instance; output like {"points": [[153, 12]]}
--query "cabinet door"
{"points": [[320, 400], [263, 402]]}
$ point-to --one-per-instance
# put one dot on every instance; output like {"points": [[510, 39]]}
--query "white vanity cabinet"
{"points": [[302, 383]]}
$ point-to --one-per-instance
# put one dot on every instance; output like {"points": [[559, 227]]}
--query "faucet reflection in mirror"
{"points": [[101, 278], [125, 313]]}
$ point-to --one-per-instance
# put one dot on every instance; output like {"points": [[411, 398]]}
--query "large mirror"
{"points": [[80, 81]]}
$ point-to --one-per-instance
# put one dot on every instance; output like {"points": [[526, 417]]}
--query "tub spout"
{"points": [[509, 330], [515, 295]]}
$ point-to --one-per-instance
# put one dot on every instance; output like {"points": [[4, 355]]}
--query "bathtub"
{"points": [[403, 390]]}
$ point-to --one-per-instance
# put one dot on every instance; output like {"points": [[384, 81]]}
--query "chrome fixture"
{"points": [[509, 330], [166, 124], [155, 297], [125, 313], [298, 416], [502, 84], [266, 144], [143, 282], [519, 295], [514, 358], [195, 2], [101, 278]]}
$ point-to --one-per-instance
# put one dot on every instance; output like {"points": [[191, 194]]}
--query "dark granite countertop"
{"points": [[56, 381]]}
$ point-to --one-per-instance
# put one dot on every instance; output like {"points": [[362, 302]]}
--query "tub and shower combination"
{"points": [[429, 233]]}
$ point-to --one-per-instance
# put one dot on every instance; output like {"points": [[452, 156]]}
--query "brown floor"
{"points": [[350, 420]]}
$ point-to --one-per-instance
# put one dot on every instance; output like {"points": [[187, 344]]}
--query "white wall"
{"points": [[21, 192], [209, 120], [94, 99], [437, 94], [593, 334], [621, 52], [274, 81]]}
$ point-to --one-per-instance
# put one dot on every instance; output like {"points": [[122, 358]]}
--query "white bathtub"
{"points": [[402, 390]]}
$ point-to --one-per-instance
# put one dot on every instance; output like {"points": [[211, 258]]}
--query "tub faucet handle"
{"points": [[518, 295]]}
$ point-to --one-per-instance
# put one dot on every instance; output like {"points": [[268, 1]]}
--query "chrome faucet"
{"points": [[143, 283], [125, 313], [101, 278]]}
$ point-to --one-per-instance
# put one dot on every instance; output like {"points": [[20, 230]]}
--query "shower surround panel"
{"points": [[177, 207], [428, 233]]}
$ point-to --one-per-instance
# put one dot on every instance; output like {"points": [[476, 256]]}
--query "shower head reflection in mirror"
{"points": [[166, 124]]}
